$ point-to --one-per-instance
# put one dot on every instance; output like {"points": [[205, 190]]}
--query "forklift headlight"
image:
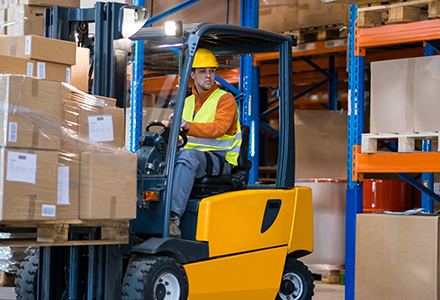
{"points": [[173, 28], [132, 18]]}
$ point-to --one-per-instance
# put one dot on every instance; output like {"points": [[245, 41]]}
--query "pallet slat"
{"points": [[58, 233], [406, 142]]}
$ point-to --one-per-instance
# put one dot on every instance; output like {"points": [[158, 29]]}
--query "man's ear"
{"points": [[193, 74]]}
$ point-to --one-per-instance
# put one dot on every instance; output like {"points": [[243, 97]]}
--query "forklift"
{"points": [[239, 240]]}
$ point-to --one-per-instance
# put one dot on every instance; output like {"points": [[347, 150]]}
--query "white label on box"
{"points": [[30, 69], [41, 70], [63, 186], [12, 134], [68, 75], [48, 210], [437, 188], [28, 45], [21, 167], [101, 128]]}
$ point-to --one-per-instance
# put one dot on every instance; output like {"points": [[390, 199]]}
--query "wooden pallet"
{"points": [[406, 142], [378, 14], [320, 33], [326, 273], [65, 233]]}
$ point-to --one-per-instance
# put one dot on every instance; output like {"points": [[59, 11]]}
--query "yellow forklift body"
{"points": [[232, 222], [253, 275], [301, 236]]}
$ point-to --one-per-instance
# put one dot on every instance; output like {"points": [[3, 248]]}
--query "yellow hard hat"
{"points": [[204, 58]]}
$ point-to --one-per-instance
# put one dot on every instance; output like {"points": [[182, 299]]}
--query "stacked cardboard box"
{"points": [[288, 15], [61, 154], [37, 56], [27, 16]]}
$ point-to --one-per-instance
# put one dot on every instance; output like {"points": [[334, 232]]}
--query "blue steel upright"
{"points": [[249, 84], [356, 65], [137, 90]]}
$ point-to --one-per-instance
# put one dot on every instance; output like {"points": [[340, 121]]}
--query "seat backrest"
{"points": [[243, 162]]}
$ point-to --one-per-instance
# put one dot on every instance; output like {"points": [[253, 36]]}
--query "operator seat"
{"points": [[237, 180]]}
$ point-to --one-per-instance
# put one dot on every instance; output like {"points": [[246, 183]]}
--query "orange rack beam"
{"points": [[419, 162], [398, 33], [308, 49]]}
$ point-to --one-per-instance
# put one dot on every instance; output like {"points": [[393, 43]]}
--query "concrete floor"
{"points": [[323, 291]]}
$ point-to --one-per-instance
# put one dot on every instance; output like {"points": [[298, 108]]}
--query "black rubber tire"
{"points": [[297, 282], [27, 278], [155, 278]]}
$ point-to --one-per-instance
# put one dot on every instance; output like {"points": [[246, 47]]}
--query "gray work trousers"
{"points": [[191, 164]]}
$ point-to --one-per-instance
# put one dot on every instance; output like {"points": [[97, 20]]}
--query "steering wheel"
{"points": [[166, 132]]}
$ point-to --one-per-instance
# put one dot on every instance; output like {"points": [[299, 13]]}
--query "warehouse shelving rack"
{"points": [[359, 163]]}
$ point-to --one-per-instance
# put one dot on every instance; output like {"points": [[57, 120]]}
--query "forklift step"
{"points": [[65, 233]]}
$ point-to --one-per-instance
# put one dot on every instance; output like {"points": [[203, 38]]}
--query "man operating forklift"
{"points": [[210, 120]]}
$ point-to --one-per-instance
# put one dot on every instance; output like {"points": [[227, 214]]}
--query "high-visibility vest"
{"points": [[229, 143]]}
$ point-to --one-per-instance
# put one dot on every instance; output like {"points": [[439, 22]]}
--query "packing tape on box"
{"points": [[36, 135], [35, 88], [32, 204], [113, 207]]}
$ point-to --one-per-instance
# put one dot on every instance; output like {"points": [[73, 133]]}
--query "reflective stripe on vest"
{"points": [[229, 143]]}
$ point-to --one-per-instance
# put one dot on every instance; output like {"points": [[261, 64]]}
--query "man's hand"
{"points": [[184, 125]]}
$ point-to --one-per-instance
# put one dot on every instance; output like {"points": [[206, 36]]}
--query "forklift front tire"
{"points": [[155, 278], [297, 282], [27, 278]]}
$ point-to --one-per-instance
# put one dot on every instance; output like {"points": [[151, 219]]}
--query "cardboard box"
{"points": [[32, 117], [391, 96], [397, 257], [404, 95], [321, 144], [28, 184], [16, 65], [68, 184], [102, 125], [223, 12], [80, 71], [34, 68], [69, 138], [3, 19], [279, 18], [25, 19], [317, 13], [108, 185], [63, 3], [38, 48], [426, 90]]}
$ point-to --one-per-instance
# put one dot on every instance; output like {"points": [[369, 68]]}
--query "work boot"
{"points": [[174, 229]]}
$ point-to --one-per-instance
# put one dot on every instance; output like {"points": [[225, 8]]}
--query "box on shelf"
{"points": [[29, 186], [279, 18], [25, 19], [63, 3], [33, 115], [80, 71], [404, 95], [38, 48], [108, 185], [317, 13], [68, 184], [16, 65], [397, 257]]}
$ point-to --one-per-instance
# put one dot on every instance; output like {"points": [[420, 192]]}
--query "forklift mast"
{"points": [[109, 50]]}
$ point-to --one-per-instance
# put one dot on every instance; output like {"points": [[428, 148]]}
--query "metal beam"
{"points": [[168, 12]]}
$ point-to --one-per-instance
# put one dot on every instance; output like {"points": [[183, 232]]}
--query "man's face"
{"points": [[204, 78]]}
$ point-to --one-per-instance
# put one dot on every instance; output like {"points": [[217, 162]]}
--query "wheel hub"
{"points": [[167, 287], [291, 287]]}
